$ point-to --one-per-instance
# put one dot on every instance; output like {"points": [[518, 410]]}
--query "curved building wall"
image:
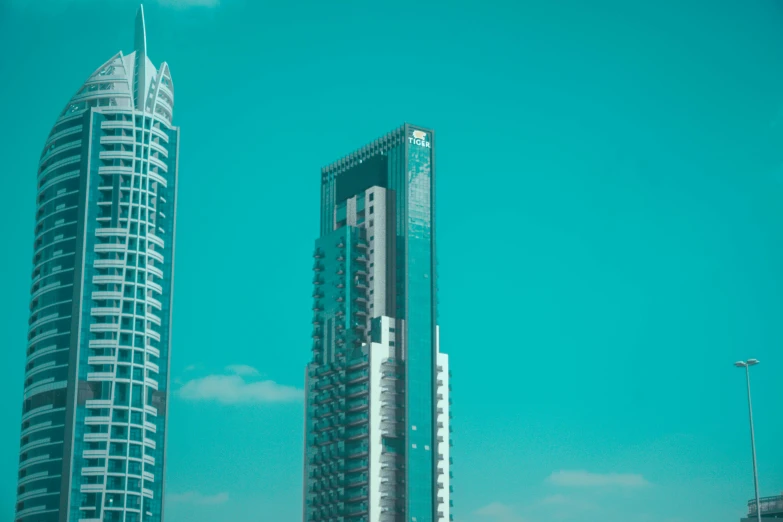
{"points": [[96, 379]]}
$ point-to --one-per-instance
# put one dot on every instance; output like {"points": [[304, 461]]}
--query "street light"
{"points": [[747, 364]]}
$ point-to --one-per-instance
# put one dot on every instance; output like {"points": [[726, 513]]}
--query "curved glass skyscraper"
{"points": [[97, 375]]}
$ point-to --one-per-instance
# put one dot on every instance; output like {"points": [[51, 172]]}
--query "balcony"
{"points": [[357, 377], [357, 405], [358, 361], [358, 390], [770, 507], [355, 433]]}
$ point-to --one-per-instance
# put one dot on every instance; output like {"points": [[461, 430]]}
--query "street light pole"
{"points": [[747, 365]]}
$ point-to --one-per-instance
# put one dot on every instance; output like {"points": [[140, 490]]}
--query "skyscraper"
{"points": [[97, 375], [377, 393]]}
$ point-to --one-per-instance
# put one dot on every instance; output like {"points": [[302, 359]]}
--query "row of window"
{"points": [[124, 415], [56, 146]]}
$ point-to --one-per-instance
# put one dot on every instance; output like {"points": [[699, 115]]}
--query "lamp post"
{"points": [[747, 364]]}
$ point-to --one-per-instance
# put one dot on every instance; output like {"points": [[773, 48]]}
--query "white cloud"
{"points": [[557, 500], [572, 504], [585, 479], [242, 369], [499, 512], [238, 387], [192, 497]]}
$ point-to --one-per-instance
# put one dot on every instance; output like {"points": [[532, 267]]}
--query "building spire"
{"points": [[140, 41], [140, 47]]}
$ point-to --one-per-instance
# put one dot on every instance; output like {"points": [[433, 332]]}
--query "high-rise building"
{"points": [[377, 392], [771, 509], [97, 376]]}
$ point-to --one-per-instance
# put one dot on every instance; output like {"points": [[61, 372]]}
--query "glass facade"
{"points": [[96, 382], [377, 419], [420, 333]]}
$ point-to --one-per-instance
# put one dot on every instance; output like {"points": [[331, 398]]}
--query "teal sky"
{"points": [[610, 180]]}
